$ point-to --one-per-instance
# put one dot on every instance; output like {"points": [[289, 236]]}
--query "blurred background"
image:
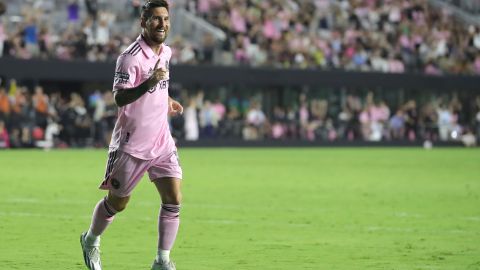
{"points": [[250, 72]]}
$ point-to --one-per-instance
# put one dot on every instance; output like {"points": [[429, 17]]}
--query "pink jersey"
{"points": [[142, 128]]}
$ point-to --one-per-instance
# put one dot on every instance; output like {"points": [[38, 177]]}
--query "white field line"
{"points": [[144, 203], [93, 202], [42, 215], [226, 222], [140, 203], [206, 206], [408, 215], [87, 217], [223, 222]]}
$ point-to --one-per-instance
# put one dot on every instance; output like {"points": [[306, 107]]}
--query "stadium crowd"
{"points": [[470, 6], [35, 119], [374, 35], [382, 36]]}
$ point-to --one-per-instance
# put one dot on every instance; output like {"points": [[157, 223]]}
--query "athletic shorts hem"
{"points": [[179, 177]]}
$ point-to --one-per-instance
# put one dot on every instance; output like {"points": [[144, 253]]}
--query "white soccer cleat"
{"points": [[163, 265], [91, 254]]}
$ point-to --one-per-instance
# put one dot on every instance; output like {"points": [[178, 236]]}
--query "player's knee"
{"points": [[173, 198], [178, 199], [119, 204]]}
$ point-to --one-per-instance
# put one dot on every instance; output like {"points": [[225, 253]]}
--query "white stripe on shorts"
{"points": [[110, 162]]}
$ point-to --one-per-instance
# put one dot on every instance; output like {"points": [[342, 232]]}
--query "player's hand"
{"points": [[159, 73], [174, 107]]}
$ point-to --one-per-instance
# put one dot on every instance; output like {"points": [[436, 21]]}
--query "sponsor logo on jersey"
{"points": [[162, 84], [121, 77]]}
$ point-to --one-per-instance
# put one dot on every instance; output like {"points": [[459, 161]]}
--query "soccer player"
{"points": [[141, 140]]}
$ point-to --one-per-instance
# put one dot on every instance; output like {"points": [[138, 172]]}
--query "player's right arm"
{"points": [[127, 70]]}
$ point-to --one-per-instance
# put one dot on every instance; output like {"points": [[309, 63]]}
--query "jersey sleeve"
{"points": [[126, 72]]}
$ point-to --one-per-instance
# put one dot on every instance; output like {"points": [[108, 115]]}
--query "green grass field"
{"points": [[317, 208]]}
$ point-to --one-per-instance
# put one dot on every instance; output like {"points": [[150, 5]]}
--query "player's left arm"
{"points": [[174, 107]]}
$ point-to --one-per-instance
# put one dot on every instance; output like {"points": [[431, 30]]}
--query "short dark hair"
{"points": [[151, 4]]}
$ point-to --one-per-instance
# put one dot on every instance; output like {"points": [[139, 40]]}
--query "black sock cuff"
{"points": [[110, 210], [173, 208]]}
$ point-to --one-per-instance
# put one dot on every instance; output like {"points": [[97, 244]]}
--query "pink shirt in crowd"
{"points": [[142, 128], [238, 22]]}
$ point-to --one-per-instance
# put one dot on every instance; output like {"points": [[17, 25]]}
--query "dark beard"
{"points": [[159, 40], [152, 37]]}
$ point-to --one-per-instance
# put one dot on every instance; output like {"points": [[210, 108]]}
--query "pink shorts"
{"points": [[124, 171]]}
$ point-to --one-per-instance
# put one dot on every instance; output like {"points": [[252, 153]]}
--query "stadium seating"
{"points": [[361, 36]]}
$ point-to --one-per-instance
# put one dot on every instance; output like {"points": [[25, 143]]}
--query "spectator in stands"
{"points": [[445, 120], [233, 124], [4, 137], [177, 124], [279, 127], [110, 115], [208, 48], [208, 120], [102, 33], [219, 108], [14, 46], [477, 123], [44, 42], [205, 6], [30, 36], [428, 120], [397, 125], [92, 8], [104, 117], [188, 55], [317, 128], [96, 104], [26, 113], [292, 123], [344, 118], [365, 123], [477, 118], [380, 114], [41, 105], [411, 120], [191, 121], [73, 11], [306, 130], [136, 6], [255, 123], [75, 122], [82, 121], [354, 106], [3, 35], [4, 105], [49, 138]]}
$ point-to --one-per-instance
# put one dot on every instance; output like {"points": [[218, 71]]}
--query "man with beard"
{"points": [[141, 140]]}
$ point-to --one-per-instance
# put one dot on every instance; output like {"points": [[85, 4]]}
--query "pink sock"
{"points": [[102, 216], [168, 222]]}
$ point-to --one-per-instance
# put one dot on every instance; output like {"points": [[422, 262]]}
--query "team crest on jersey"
{"points": [[115, 183]]}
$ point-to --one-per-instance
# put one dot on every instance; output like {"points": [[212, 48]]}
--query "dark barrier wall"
{"points": [[216, 75]]}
